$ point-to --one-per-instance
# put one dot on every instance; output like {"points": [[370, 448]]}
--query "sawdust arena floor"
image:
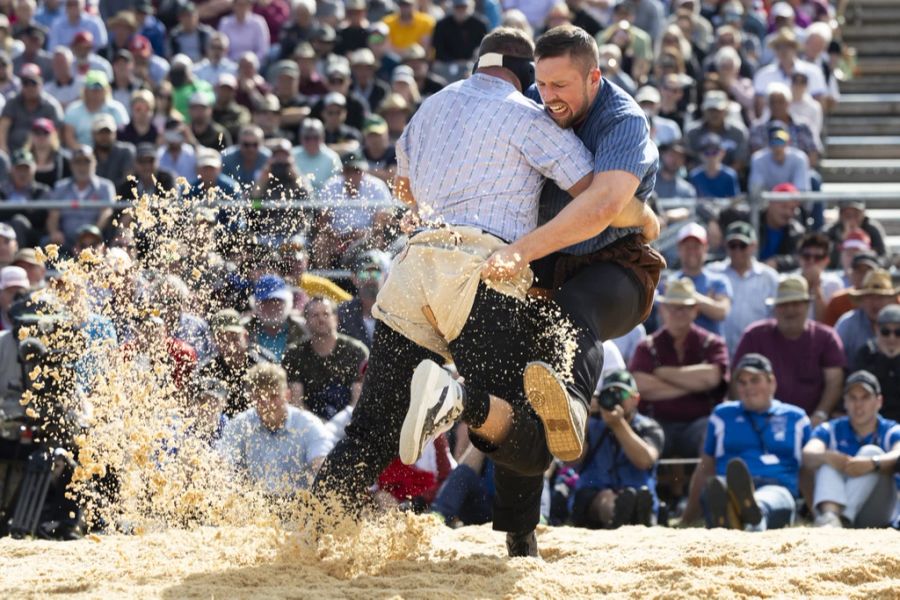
{"points": [[439, 563]]}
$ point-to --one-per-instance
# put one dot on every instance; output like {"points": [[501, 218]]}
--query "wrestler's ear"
{"points": [[594, 75]]}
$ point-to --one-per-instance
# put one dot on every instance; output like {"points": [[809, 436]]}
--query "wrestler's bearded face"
{"points": [[566, 89]]}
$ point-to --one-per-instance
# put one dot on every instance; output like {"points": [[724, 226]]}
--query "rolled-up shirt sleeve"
{"points": [[555, 153]]}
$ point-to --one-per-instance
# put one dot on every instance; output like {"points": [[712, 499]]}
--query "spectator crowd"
{"points": [[772, 359]]}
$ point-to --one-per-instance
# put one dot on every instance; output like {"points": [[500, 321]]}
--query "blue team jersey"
{"points": [[770, 442], [617, 132], [838, 435]]}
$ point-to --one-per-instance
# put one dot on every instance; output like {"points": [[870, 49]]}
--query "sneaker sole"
{"points": [[643, 508], [740, 486], [551, 403], [424, 378], [717, 503]]}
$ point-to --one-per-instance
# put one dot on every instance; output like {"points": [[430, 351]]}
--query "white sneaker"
{"points": [[435, 403], [828, 519]]}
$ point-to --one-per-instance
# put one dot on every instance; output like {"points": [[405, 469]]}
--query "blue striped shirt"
{"points": [[617, 132], [477, 153]]}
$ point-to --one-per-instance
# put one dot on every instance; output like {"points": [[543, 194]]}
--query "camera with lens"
{"points": [[612, 397]]}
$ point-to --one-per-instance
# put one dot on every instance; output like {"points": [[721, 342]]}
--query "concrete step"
{"points": [[878, 47], [851, 189], [860, 170], [869, 104], [889, 217], [862, 125], [853, 4], [893, 244], [859, 31], [873, 15], [871, 85], [878, 66], [862, 146]]}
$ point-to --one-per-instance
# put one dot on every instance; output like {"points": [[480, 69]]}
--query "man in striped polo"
{"points": [[474, 157]]}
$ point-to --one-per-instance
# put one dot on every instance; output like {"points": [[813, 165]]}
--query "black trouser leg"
{"points": [[373, 436], [491, 352], [604, 301]]}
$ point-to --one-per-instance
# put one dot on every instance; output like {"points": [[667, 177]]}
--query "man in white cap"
{"points": [[363, 66], [9, 244], [13, 281], [713, 289], [115, 159], [206, 131], [226, 111], [735, 138], [662, 130]]}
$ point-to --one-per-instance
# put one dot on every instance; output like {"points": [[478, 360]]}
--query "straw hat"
{"points": [[791, 288], [876, 283], [680, 292]]}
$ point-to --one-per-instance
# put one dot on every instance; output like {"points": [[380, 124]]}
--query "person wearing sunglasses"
{"points": [[854, 458], [617, 475], [859, 325], [30, 104], [813, 256], [881, 357]]}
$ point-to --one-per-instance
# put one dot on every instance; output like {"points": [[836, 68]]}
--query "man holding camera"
{"points": [[617, 483]]}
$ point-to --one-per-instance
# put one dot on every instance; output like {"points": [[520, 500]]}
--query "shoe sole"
{"points": [[424, 378], [717, 503], [740, 486], [551, 403], [643, 508], [623, 509]]}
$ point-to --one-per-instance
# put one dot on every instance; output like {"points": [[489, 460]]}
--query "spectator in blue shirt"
{"points": [[854, 457], [749, 470], [714, 179], [713, 289], [617, 482]]}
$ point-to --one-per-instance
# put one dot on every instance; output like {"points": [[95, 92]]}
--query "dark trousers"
{"points": [[491, 352]]}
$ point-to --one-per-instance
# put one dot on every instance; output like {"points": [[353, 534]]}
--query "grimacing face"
{"points": [[565, 88]]}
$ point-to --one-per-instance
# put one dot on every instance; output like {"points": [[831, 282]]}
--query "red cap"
{"points": [[785, 187], [83, 37], [140, 46], [43, 124], [857, 239]]}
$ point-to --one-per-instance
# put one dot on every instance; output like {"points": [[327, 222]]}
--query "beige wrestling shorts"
{"points": [[431, 286]]}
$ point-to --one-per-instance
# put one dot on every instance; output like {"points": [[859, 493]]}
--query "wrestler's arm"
{"points": [[403, 191]]}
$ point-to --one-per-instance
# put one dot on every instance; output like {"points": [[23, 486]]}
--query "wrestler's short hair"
{"points": [[571, 41], [320, 300], [508, 42]]}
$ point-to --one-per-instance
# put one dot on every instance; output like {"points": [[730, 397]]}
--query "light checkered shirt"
{"points": [[477, 153]]}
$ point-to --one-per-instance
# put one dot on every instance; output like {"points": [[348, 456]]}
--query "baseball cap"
{"points": [[354, 160], [755, 363], [866, 258], [621, 379], [791, 288], [89, 229], [857, 204], [414, 52], [363, 56], [865, 379], [7, 231], [740, 231], [857, 240], [710, 142], [782, 9], [227, 80], [140, 46], [679, 292], [43, 124], [32, 72], [269, 103], [334, 99], [226, 319], [123, 54], [207, 157], [324, 33], [285, 67], [715, 100], [13, 276], [83, 151], [95, 80], [145, 149], [200, 99], [103, 121], [375, 124], [692, 230], [403, 73], [271, 287], [304, 50], [123, 17], [778, 133], [648, 93], [355, 4], [83, 37], [22, 156], [889, 315], [279, 145]]}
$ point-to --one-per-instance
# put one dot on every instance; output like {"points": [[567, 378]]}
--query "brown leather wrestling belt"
{"points": [[540, 292]]}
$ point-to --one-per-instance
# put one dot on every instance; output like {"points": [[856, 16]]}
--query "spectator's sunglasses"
{"points": [[813, 256], [736, 245], [368, 275], [890, 331]]}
